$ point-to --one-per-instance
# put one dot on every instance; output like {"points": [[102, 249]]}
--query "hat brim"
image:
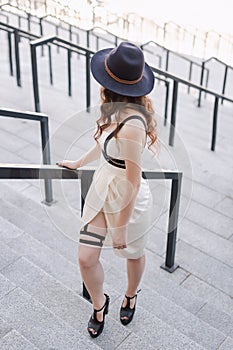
{"points": [[142, 88]]}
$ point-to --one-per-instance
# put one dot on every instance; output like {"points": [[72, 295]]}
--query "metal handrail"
{"points": [[116, 38], [40, 20], [48, 172], [70, 47], [176, 81], [45, 142], [227, 66], [92, 30], [195, 36], [7, 17], [69, 29], [168, 51], [29, 17], [179, 27], [77, 48], [18, 33]]}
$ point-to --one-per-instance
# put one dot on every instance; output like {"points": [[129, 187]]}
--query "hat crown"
{"points": [[126, 61]]}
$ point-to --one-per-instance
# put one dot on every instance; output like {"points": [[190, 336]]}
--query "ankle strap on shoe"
{"points": [[106, 301], [129, 298]]}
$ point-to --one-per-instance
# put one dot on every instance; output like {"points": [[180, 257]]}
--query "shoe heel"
{"points": [[107, 304]]}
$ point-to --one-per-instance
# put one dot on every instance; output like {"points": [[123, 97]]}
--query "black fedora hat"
{"points": [[123, 70]]}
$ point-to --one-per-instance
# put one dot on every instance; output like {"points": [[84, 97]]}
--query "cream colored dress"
{"points": [[106, 193]]}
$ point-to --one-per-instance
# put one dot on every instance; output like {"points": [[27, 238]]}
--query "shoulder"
{"points": [[134, 126]]}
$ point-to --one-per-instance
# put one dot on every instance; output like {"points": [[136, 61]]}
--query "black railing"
{"points": [[33, 171], [87, 52], [31, 19], [17, 34], [179, 29], [191, 62], [226, 66], [45, 143], [70, 47], [27, 16], [4, 16], [94, 32], [176, 81], [59, 27]]}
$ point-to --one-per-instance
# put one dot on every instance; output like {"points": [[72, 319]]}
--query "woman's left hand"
{"points": [[119, 238]]}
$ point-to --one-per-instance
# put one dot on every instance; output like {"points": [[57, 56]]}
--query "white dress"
{"points": [[105, 194]]}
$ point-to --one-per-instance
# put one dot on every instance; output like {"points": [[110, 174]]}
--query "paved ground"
{"points": [[40, 287]]}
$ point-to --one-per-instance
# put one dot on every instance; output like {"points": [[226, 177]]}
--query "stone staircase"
{"points": [[40, 283], [41, 305], [39, 274]]}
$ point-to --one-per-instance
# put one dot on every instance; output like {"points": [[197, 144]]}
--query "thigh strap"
{"points": [[91, 234]]}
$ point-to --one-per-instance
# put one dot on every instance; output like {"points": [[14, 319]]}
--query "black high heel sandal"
{"points": [[127, 311], [96, 325]]}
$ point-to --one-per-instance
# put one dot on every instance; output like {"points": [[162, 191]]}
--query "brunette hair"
{"points": [[114, 104]]}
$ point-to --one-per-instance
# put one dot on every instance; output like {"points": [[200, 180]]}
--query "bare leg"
{"points": [[135, 269], [90, 266]]}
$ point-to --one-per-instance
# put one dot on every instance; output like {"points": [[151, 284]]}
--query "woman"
{"points": [[118, 203]]}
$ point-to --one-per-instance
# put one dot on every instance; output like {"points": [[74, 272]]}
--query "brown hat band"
{"points": [[119, 80]]}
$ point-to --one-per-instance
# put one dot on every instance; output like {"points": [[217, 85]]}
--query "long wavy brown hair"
{"points": [[113, 104]]}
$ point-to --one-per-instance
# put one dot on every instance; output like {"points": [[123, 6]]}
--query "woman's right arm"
{"points": [[90, 156]]}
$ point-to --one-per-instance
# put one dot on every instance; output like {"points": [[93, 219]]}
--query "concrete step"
{"points": [[38, 325], [15, 341], [75, 311], [165, 288], [51, 237], [177, 307], [24, 246], [62, 215]]}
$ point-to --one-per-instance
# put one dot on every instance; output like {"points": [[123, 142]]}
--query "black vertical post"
{"points": [[70, 32], [214, 128], [70, 36], [41, 34], [201, 83], [88, 38], [207, 80], [69, 72], [77, 42], [160, 65], [190, 75], [85, 184], [10, 53], [167, 60], [194, 41], [29, 21], [17, 58], [166, 102], [164, 32], [35, 78], [57, 34], [173, 113], [116, 41], [169, 264], [160, 61], [50, 64], [88, 82], [46, 158], [224, 82]]}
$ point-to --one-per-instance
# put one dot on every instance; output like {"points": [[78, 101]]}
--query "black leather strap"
{"points": [[91, 234], [119, 163]]}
